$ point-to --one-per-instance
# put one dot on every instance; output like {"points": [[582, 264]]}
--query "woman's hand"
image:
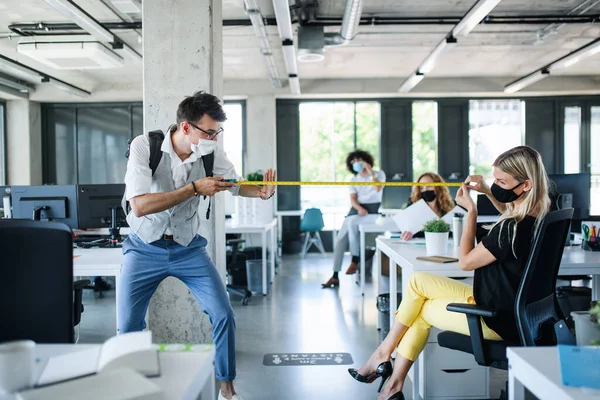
{"points": [[368, 167], [464, 200], [477, 183], [269, 190], [406, 235], [362, 211]]}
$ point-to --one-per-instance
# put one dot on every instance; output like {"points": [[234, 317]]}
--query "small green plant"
{"points": [[437, 226], [595, 316], [255, 176]]}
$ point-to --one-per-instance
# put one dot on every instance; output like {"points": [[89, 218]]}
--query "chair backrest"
{"points": [[536, 305], [312, 221], [36, 277]]}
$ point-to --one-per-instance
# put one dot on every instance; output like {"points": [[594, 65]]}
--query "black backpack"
{"points": [[156, 139]]}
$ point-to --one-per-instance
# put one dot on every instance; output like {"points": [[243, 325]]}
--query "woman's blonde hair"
{"points": [[442, 194], [524, 163]]}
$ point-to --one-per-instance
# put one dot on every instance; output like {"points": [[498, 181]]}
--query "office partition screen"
{"points": [[3, 176]]}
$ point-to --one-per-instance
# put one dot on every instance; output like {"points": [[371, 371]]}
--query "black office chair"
{"points": [[539, 318], [236, 266], [38, 299]]}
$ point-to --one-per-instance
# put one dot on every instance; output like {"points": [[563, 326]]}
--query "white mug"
{"points": [[17, 361]]}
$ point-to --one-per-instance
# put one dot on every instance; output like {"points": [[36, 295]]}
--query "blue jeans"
{"points": [[146, 265]]}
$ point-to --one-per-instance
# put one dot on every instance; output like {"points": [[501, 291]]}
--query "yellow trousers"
{"points": [[424, 305]]}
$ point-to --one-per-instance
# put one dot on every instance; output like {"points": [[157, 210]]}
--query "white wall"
{"points": [[24, 142]]}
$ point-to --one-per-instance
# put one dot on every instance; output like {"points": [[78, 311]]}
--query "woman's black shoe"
{"points": [[397, 396], [384, 370]]}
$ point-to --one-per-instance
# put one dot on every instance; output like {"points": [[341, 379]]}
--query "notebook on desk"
{"points": [[130, 350]]}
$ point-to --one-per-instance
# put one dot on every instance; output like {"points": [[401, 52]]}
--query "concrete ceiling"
{"points": [[383, 51]]}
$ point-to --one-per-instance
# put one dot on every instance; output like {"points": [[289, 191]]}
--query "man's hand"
{"points": [[477, 183], [464, 200], [267, 191], [406, 235], [211, 186], [362, 211]]}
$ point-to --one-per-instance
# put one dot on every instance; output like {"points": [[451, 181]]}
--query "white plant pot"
{"points": [[586, 330], [436, 243]]}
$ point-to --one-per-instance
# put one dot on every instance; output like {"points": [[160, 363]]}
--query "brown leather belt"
{"points": [[167, 237]]}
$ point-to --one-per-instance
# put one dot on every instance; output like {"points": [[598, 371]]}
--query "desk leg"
{"points": [[393, 291], [264, 262], [363, 267], [595, 287], [210, 391], [516, 390], [378, 267], [279, 235], [272, 255], [117, 289]]}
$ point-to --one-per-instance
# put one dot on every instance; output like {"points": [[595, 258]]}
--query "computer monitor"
{"points": [[571, 190], [395, 197], [46, 203], [100, 207]]}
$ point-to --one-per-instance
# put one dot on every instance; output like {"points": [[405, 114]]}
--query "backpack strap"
{"points": [[156, 139], [209, 162]]}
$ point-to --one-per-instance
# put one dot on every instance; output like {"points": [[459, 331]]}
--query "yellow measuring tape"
{"points": [[300, 183]]}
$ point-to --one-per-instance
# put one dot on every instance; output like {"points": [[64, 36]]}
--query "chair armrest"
{"points": [[474, 314], [80, 284], [471, 309]]}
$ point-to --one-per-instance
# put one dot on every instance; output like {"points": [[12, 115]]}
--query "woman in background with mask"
{"points": [[499, 261], [365, 201], [437, 198]]}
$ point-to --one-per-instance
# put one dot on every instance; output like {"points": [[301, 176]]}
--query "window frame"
{"points": [[244, 133], [3, 141]]}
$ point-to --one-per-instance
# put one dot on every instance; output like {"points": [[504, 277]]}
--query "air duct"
{"points": [[349, 27]]}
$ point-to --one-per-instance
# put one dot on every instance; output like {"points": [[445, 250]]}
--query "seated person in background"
{"points": [[437, 198], [365, 208], [499, 263]]}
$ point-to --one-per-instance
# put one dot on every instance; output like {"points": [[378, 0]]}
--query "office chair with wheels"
{"points": [[39, 299], [312, 223], [236, 266], [539, 318]]}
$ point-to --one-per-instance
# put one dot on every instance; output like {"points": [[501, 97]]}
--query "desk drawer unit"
{"points": [[450, 374]]}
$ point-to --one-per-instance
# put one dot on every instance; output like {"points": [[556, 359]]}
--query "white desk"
{"points": [[99, 262], [575, 261], [184, 375], [538, 370], [263, 229]]}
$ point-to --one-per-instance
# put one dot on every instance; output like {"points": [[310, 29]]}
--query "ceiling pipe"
{"points": [[350, 23]]}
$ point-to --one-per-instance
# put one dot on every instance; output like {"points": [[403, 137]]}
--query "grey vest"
{"points": [[183, 219]]}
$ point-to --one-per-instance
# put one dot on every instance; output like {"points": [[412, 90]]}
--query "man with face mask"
{"points": [[164, 221]]}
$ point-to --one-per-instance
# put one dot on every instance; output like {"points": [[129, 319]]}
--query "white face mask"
{"points": [[204, 147]]}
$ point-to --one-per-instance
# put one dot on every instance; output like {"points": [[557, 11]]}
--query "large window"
{"points": [[86, 144], [2, 143], [572, 139], [494, 127], [233, 136], [424, 137], [328, 132], [595, 159]]}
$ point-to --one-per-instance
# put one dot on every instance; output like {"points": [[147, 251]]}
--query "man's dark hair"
{"points": [[193, 108], [360, 154]]}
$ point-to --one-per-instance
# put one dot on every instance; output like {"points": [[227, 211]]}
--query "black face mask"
{"points": [[428, 195], [505, 195]]}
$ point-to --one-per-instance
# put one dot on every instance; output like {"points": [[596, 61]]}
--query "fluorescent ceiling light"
{"points": [[67, 87], [429, 63], [13, 92], [130, 53], [578, 55], [289, 56], [128, 6], [13, 68], [411, 82], [16, 85], [83, 19], [473, 17], [284, 19], [82, 55], [525, 81], [294, 84]]}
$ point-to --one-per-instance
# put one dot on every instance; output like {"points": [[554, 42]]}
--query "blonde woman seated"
{"points": [[437, 198], [521, 184], [365, 202]]}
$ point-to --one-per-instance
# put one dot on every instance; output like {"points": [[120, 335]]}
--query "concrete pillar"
{"points": [[24, 142], [183, 53]]}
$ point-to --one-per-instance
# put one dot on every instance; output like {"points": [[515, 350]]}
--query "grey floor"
{"points": [[298, 316]]}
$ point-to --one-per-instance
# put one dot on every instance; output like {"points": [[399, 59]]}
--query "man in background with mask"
{"points": [[165, 219]]}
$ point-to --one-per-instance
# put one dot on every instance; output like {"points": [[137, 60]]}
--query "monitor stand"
{"points": [[115, 240]]}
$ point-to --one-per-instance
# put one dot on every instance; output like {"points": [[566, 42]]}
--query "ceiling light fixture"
{"points": [[473, 17], [411, 82], [526, 81], [83, 19]]}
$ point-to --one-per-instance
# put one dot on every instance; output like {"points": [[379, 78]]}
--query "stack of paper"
{"points": [[412, 218]]}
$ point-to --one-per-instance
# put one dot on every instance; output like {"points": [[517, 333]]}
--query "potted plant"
{"points": [[436, 237], [587, 325]]}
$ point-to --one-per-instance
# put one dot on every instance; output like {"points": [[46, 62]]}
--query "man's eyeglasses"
{"points": [[211, 135]]}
